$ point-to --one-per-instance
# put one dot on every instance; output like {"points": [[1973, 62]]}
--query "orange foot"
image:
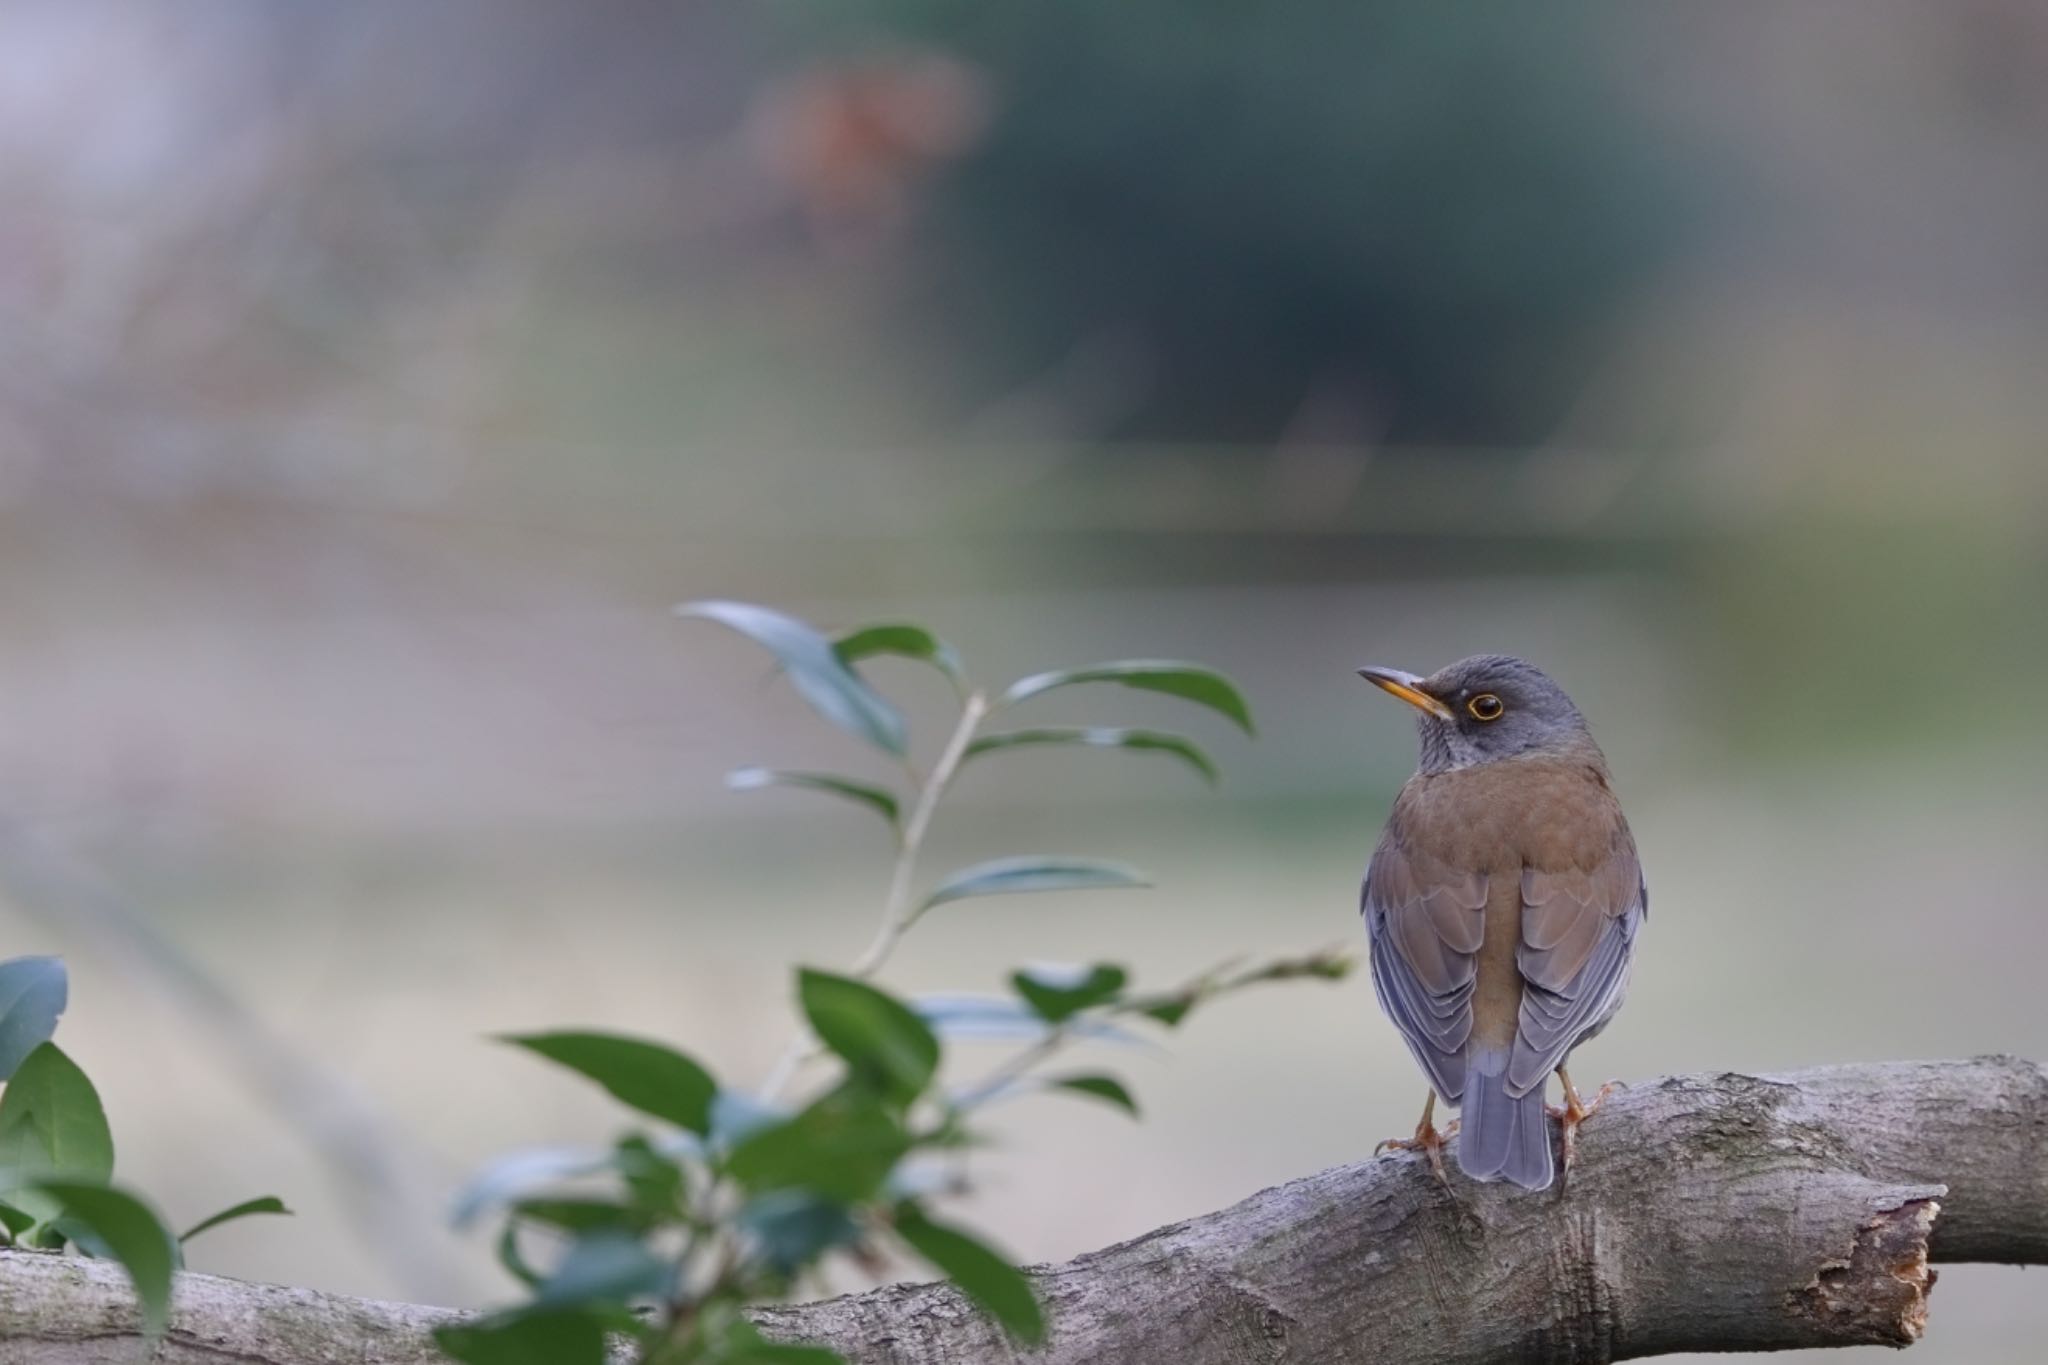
{"points": [[1427, 1140], [1574, 1112]]}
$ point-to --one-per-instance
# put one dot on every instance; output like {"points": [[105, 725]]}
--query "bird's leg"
{"points": [[1574, 1112], [1427, 1139]]}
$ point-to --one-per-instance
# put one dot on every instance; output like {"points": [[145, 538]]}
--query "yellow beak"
{"points": [[1408, 687]]}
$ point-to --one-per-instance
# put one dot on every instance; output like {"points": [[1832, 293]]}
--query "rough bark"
{"points": [[1721, 1212]]}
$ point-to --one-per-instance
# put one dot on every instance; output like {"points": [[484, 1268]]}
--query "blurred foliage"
{"points": [[664, 1239], [57, 1152], [1427, 213]]}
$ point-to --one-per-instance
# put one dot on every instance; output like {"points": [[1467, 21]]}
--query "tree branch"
{"points": [[1720, 1212]]}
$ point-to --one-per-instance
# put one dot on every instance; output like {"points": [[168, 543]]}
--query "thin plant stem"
{"points": [[898, 913], [1015, 1067]]}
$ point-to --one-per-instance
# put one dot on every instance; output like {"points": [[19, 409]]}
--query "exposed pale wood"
{"points": [[1722, 1212]]}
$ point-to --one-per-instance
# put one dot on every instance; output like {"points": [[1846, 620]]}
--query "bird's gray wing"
{"points": [[1579, 929], [1424, 921]]}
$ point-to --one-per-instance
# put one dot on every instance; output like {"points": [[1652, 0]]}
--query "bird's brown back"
{"points": [[1553, 816]]}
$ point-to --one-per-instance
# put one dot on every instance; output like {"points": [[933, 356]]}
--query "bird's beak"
{"points": [[1408, 687]]}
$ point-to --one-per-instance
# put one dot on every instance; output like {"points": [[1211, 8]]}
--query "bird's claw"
{"points": [[1570, 1115], [1429, 1140]]}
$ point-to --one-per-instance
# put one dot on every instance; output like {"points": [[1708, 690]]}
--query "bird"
{"points": [[1502, 905]]}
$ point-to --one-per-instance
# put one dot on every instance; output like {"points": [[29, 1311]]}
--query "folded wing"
{"points": [[1424, 920], [1579, 927]]}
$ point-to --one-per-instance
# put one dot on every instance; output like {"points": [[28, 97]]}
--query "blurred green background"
{"points": [[374, 377]]}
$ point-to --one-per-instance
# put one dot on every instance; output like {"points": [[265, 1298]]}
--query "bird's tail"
{"points": [[1500, 1134]]}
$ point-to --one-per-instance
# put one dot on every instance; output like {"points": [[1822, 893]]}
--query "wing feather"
{"points": [[1579, 927], [1424, 921]]}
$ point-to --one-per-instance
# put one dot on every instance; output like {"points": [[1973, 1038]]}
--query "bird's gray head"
{"points": [[1486, 708]]}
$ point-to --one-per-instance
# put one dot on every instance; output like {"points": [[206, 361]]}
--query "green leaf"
{"points": [[526, 1338], [32, 995], [136, 1237], [79, 1235], [1203, 686], [650, 1077], [820, 676], [1101, 737], [654, 1180], [841, 1148], [1056, 994], [51, 1127], [792, 1228], [874, 798], [1011, 876], [513, 1259], [576, 1215], [1101, 1087], [881, 1038], [1169, 1011], [904, 640], [1001, 1289], [606, 1267], [268, 1203], [15, 1221]]}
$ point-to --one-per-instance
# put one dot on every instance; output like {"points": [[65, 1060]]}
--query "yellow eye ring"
{"points": [[1485, 707]]}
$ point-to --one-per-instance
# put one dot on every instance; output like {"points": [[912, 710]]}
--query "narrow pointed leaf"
{"points": [[1013, 876], [130, 1230], [1002, 1290], [514, 1259], [874, 798], [52, 1127], [881, 1038], [1101, 737], [32, 994], [816, 670], [1100, 1087], [904, 640], [268, 1203], [1193, 682], [654, 1079]]}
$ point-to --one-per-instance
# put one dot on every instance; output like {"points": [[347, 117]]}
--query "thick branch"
{"points": [[1706, 1213]]}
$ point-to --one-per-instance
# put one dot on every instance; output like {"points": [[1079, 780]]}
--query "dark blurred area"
{"points": [[1351, 223], [373, 377]]}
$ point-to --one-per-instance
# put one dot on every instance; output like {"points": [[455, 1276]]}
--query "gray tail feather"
{"points": [[1502, 1135]]}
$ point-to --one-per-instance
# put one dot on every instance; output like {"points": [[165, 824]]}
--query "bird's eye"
{"points": [[1485, 706]]}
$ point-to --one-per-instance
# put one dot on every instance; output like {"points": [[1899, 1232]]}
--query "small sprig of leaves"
{"points": [[724, 1197], [57, 1153]]}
